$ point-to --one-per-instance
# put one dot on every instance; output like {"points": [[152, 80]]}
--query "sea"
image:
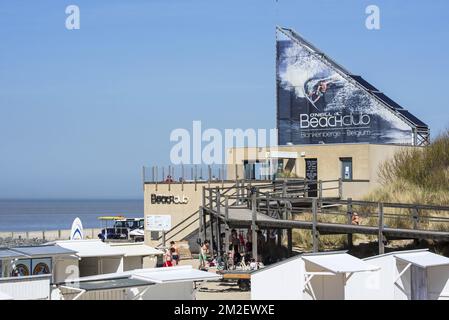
{"points": [[41, 215]]}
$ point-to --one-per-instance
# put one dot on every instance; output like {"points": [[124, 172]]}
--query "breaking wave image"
{"points": [[308, 85]]}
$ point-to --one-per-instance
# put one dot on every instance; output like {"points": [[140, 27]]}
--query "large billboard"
{"points": [[318, 102]]}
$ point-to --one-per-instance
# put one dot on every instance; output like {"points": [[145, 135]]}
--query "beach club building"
{"points": [[334, 130]]}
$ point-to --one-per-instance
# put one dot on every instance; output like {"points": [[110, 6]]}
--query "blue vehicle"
{"points": [[121, 228]]}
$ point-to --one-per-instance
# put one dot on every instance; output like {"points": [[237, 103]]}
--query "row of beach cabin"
{"points": [[401, 275], [93, 270]]}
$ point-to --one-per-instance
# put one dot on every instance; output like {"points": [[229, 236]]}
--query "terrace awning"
{"points": [[423, 259], [340, 263]]}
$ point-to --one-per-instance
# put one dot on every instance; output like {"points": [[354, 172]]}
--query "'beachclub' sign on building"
{"points": [[320, 102], [161, 199]]}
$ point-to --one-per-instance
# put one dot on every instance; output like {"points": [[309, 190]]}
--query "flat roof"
{"points": [[44, 250], [423, 259], [110, 284], [91, 248], [136, 249], [340, 262]]}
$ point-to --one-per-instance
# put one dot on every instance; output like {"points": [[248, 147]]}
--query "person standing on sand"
{"points": [[204, 252], [168, 259], [175, 251]]}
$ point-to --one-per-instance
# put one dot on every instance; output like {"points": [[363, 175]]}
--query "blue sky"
{"points": [[81, 111]]}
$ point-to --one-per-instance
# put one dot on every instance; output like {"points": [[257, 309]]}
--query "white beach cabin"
{"points": [[137, 255], [95, 257], [403, 275], [320, 276], [173, 283], [27, 272]]}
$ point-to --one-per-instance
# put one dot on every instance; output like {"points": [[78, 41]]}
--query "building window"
{"points": [[346, 168], [154, 235]]}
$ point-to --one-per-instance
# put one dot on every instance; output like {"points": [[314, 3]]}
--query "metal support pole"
{"points": [[211, 221], [340, 188], [415, 217], [200, 221], [237, 186], [203, 205], [349, 213], [320, 189], [314, 223], [219, 250], [222, 175], [290, 241], [380, 211], [209, 174], [253, 224], [227, 231], [156, 177], [182, 177], [284, 188], [143, 178]]}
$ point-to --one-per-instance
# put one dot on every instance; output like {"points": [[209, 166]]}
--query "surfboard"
{"points": [[77, 230]]}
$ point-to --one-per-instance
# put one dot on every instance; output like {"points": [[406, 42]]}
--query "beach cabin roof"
{"points": [[91, 248], [174, 274], [11, 254], [43, 251], [110, 284], [4, 296], [339, 262], [136, 249], [157, 275], [423, 259]]}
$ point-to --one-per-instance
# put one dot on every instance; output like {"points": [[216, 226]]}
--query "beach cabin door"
{"points": [[418, 283], [312, 175]]}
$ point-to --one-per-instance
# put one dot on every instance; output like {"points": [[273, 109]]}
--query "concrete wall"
{"points": [[366, 159], [49, 235], [178, 212], [131, 263]]}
